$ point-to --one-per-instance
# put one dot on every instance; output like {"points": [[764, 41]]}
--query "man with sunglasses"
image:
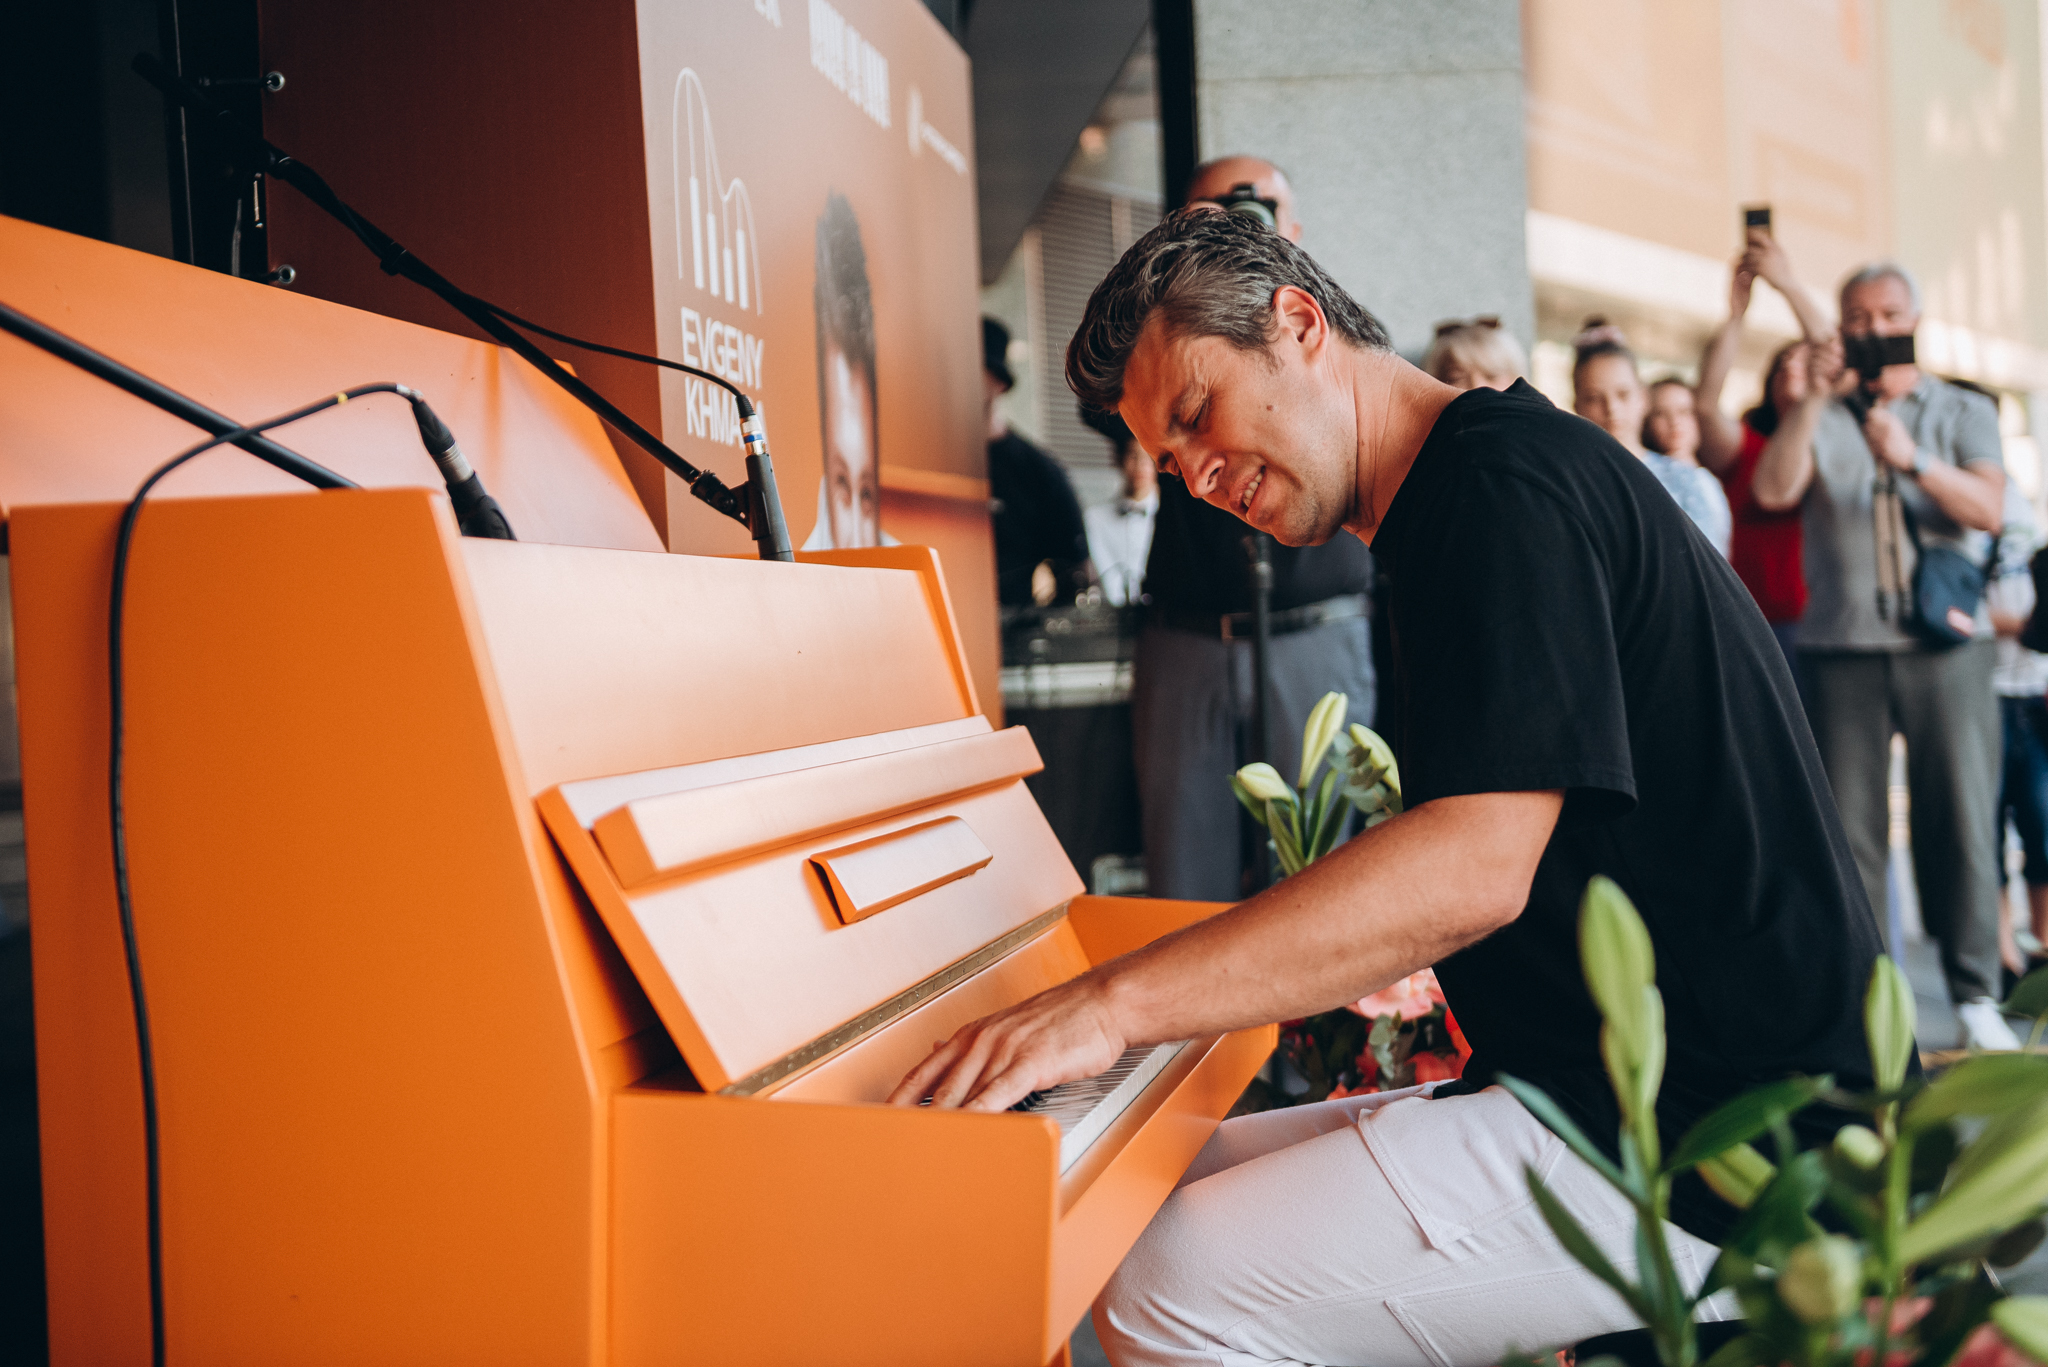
{"points": [[1192, 690]]}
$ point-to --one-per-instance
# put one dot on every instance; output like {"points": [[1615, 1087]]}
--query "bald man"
{"points": [[1214, 180], [1191, 696]]}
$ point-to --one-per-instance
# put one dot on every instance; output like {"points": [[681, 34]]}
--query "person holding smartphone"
{"points": [[1870, 671]]}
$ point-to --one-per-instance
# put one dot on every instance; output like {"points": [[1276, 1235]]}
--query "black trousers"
{"points": [[1191, 703], [1941, 701]]}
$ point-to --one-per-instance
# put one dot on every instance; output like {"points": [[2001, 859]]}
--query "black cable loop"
{"points": [[123, 893]]}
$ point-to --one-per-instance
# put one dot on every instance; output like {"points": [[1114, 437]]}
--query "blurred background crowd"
{"points": [[1690, 224]]}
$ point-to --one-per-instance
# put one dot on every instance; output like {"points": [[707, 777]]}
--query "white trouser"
{"points": [[1291, 1242]]}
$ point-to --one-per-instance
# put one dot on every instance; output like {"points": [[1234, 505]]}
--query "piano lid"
{"points": [[781, 906]]}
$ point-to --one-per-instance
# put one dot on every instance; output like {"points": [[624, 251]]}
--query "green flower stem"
{"points": [[1891, 1228]]}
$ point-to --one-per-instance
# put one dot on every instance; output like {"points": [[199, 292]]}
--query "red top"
{"points": [[1767, 549]]}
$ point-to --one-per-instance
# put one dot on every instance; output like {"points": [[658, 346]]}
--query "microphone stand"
{"points": [[760, 509], [1260, 552]]}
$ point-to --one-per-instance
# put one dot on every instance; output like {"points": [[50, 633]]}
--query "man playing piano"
{"points": [[1586, 688]]}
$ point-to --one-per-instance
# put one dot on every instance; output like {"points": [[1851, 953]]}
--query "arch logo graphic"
{"points": [[722, 257]]}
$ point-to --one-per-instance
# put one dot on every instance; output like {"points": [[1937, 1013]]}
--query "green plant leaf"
{"points": [[1279, 822], [1614, 948], [1325, 819], [1777, 1221], [1538, 1103], [1743, 1119], [1744, 1350], [1372, 756], [1999, 1182], [2024, 1322], [1888, 1023], [1738, 1174], [1581, 1246], [2030, 997], [1657, 1274], [1984, 1084]]}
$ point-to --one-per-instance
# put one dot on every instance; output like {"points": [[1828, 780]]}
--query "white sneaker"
{"points": [[1984, 1027]]}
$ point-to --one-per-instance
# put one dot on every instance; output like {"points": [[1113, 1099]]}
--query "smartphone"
{"points": [[1756, 216]]}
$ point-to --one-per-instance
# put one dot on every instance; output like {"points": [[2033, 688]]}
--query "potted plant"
{"points": [[1394, 1038], [1946, 1182]]}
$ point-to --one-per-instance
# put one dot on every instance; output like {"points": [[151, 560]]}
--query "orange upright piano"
{"points": [[531, 934]]}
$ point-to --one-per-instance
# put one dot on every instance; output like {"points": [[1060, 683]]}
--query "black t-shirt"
{"points": [[1198, 564], [1558, 622], [1036, 516]]}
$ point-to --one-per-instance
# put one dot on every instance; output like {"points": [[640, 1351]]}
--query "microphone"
{"points": [[758, 506], [764, 503], [476, 512]]}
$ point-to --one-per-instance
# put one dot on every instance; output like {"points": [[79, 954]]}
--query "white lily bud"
{"points": [[1859, 1146], [1325, 720], [1263, 781], [1823, 1279]]}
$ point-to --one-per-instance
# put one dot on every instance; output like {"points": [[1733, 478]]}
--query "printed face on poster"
{"points": [[811, 200]]}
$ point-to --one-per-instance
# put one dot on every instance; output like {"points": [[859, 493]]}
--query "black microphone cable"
{"points": [[124, 539], [758, 506]]}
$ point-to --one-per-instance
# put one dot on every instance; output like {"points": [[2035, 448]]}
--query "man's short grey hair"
{"points": [[1883, 270], [1207, 274]]}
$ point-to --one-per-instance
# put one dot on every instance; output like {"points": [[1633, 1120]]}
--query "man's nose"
{"points": [[1206, 472]]}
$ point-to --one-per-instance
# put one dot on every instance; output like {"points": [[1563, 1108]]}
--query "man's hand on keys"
{"points": [[1058, 1036]]}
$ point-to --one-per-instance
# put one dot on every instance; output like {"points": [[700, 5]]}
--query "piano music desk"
{"points": [[468, 873]]}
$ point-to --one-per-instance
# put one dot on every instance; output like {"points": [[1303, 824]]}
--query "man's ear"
{"points": [[1299, 318]]}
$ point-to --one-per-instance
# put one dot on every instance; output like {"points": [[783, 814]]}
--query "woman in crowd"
{"points": [[1671, 432], [1608, 391], [1766, 548], [1480, 354]]}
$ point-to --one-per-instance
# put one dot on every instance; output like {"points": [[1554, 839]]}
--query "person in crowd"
{"points": [[1192, 688], [850, 482], [1869, 669], [1762, 258], [1767, 549], [1475, 354], [1041, 538], [1120, 531], [1765, 546], [1671, 445], [1571, 653], [1607, 390], [2020, 679]]}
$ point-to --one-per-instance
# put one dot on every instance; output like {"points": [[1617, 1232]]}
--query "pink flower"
{"points": [[1988, 1348], [1411, 998]]}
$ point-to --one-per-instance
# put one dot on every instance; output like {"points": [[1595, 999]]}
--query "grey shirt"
{"points": [[1952, 426]]}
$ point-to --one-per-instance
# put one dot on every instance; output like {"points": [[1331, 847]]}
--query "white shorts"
{"points": [[1385, 1231]]}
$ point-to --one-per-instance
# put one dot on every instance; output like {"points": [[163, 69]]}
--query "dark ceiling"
{"points": [[1040, 69]]}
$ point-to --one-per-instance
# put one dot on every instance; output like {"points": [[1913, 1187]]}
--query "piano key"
{"points": [[1085, 1108]]}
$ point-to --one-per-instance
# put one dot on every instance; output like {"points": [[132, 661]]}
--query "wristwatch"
{"points": [[1920, 464]]}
